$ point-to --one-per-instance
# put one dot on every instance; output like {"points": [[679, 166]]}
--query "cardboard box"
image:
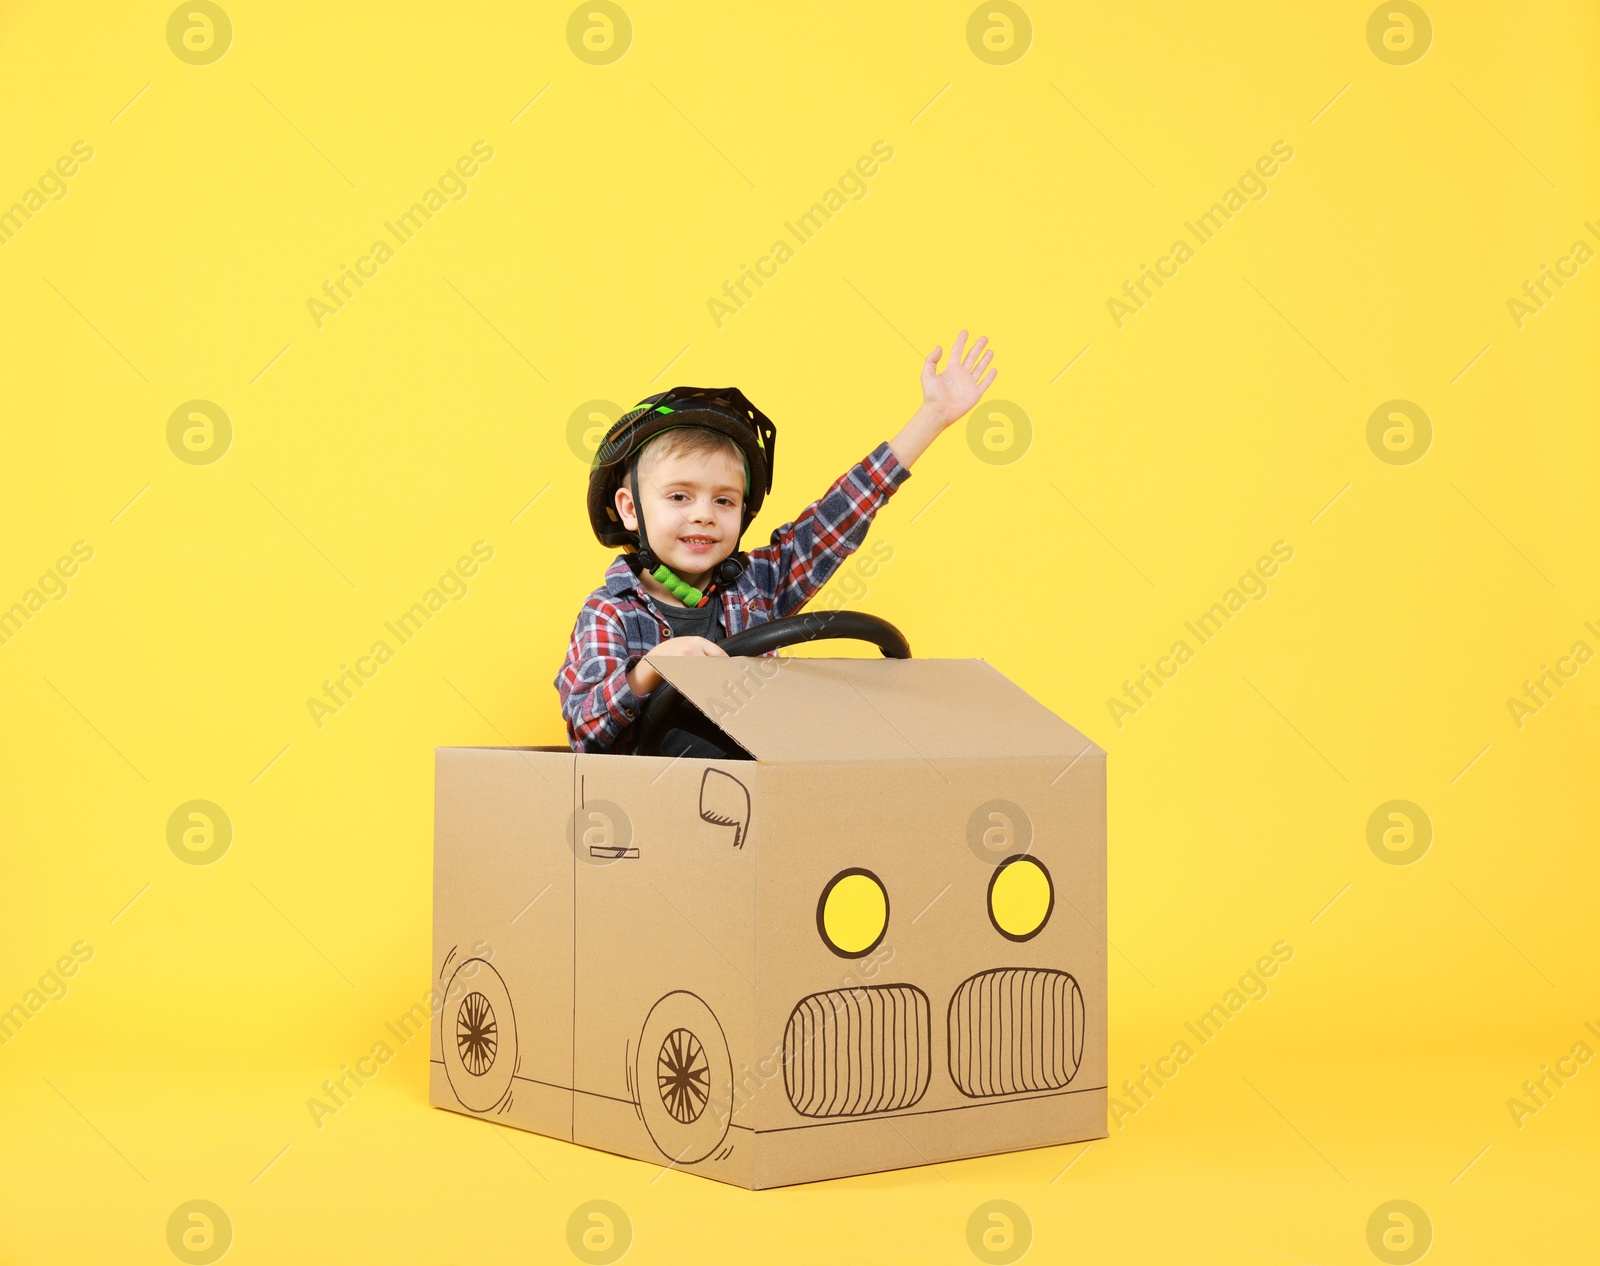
{"points": [[810, 963]]}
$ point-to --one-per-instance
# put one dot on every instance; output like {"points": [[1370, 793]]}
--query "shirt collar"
{"points": [[620, 578]]}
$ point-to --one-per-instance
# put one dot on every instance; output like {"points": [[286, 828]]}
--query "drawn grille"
{"points": [[852, 1051], [1014, 1030]]}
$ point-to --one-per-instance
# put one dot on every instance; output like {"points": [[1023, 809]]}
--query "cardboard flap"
{"points": [[789, 708]]}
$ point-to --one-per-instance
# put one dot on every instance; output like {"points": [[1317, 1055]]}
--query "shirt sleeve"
{"points": [[597, 702], [804, 553]]}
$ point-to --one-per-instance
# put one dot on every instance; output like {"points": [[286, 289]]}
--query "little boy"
{"points": [[682, 588]]}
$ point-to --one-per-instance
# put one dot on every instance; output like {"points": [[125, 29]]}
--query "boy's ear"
{"points": [[624, 502]]}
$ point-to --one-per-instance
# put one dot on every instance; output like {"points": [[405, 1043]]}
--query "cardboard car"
{"points": [[873, 937]]}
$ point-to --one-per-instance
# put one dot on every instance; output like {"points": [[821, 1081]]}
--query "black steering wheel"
{"points": [[668, 711]]}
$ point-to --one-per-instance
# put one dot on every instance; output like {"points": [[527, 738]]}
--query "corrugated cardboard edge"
{"points": [[812, 708]]}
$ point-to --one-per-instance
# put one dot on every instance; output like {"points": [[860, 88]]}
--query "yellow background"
{"points": [[1229, 414]]}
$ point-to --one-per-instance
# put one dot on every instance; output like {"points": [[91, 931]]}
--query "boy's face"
{"points": [[691, 509]]}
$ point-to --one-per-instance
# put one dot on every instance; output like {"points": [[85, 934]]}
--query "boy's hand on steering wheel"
{"points": [[689, 646], [643, 679], [950, 396]]}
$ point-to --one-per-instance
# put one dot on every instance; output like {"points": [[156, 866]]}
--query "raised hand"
{"points": [[950, 396]]}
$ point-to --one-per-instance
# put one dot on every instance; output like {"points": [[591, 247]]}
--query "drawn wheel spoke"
{"points": [[477, 1036], [683, 1076]]}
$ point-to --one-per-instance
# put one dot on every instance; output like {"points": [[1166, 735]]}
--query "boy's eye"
{"points": [[726, 501]]}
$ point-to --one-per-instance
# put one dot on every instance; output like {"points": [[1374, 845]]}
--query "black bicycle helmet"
{"points": [[721, 409]]}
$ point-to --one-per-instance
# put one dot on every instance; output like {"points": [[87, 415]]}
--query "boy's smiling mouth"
{"points": [[700, 544]]}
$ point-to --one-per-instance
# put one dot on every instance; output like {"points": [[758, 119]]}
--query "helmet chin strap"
{"points": [[725, 572]]}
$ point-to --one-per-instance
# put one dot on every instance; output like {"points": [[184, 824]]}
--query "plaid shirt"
{"points": [[619, 623]]}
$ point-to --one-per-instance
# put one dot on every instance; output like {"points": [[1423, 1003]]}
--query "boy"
{"points": [[698, 463]]}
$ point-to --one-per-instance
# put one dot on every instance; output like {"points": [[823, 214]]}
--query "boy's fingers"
{"points": [[977, 370], [933, 358], [955, 352], [976, 348]]}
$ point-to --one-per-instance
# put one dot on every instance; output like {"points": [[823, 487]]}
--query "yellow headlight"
{"points": [[1021, 897], [853, 913]]}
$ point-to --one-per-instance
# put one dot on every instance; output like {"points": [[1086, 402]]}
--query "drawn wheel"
{"points": [[683, 1078], [478, 1034]]}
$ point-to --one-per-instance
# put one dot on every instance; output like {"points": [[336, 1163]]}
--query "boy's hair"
{"points": [[691, 441]]}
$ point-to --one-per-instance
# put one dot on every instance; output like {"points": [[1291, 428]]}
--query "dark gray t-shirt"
{"points": [[703, 621]]}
